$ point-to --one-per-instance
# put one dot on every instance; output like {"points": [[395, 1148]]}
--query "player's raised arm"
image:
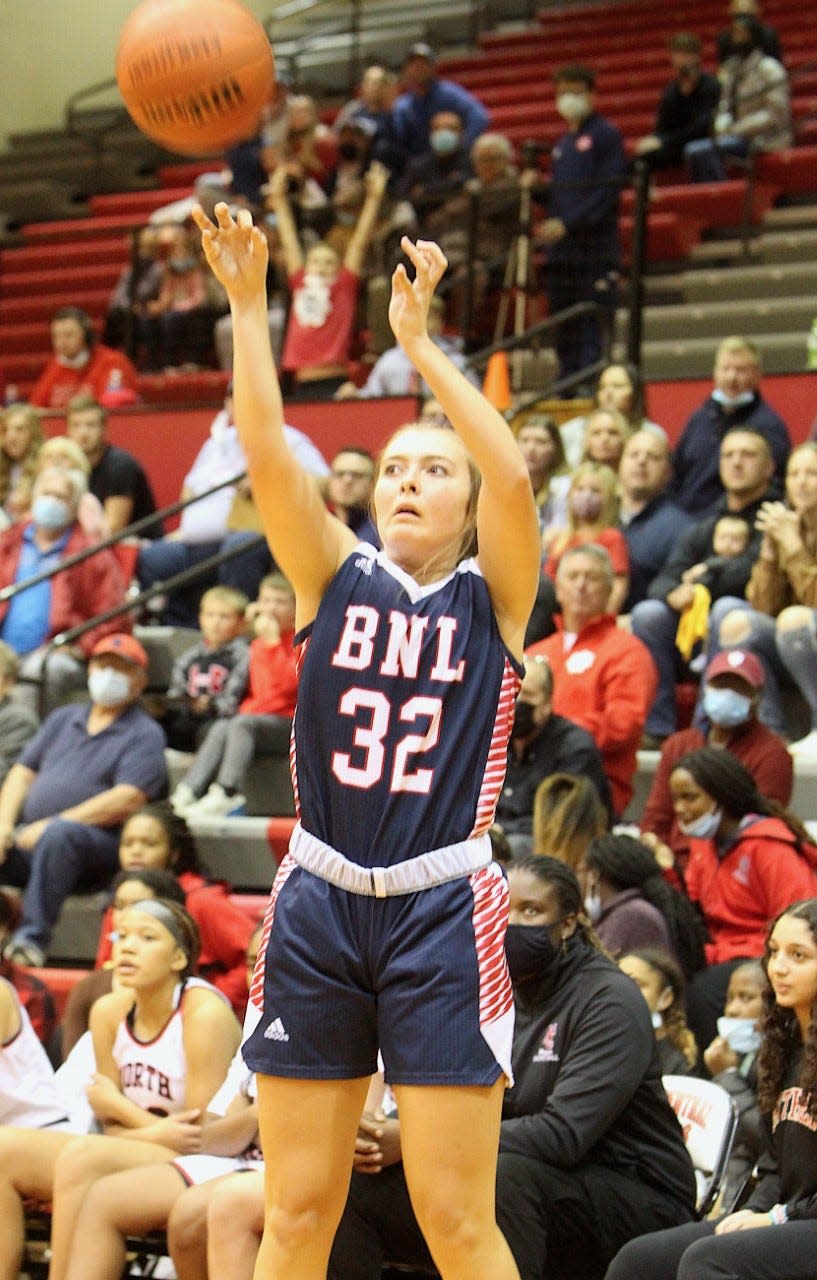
{"points": [[307, 542], [507, 527]]}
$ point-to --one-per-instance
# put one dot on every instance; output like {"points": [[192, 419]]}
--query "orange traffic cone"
{"points": [[496, 386]]}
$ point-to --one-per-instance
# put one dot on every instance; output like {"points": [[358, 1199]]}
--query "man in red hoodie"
{"points": [[603, 678]]}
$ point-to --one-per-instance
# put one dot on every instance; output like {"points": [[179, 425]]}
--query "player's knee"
{"points": [[186, 1224], [296, 1223], [735, 628], [78, 1163], [447, 1224]]}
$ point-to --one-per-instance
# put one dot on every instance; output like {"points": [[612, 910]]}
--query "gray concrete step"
{"points": [[692, 357]]}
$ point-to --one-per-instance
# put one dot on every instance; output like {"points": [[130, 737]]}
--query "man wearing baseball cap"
{"points": [[425, 96], [63, 804], [731, 690]]}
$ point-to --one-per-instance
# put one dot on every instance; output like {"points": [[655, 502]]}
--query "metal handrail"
{"points": [[130, 531]]}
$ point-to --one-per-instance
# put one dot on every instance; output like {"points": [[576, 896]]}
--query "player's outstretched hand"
{"points": [[410, 300], [236, 250]]}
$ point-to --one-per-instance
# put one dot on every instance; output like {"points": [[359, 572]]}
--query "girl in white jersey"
{"points": [[28, 1095], [313, 1070], [165, 1040]]}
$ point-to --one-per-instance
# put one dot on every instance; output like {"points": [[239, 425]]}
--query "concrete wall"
{"points": [[49, 49]]}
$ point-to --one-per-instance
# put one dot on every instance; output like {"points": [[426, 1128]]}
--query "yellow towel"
{"points": [[693, 622]]}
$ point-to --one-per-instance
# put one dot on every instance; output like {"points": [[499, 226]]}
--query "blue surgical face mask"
{"points": [[726, 707], [108, 687], [49, 512], [592, 906], [733, 402], [740, 1034], [705, 827], [444, 142]]}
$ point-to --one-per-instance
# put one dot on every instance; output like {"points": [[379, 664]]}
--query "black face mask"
{"points": [[530, 951], [523, 725], [348, 151]]}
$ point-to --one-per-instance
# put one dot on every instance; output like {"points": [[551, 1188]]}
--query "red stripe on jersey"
{"points": [[497, 761], [300, 654], [285, 870], [490, 918]]}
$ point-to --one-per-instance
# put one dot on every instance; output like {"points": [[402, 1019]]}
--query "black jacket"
{"points": [[561, 747], [587, 1079]]}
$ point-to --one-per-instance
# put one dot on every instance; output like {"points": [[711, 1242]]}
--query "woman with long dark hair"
{"points": [[749, 858], [631, 904], [774, 1236]]}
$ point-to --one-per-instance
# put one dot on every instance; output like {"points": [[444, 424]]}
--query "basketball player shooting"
{"points": [[387, 917]]}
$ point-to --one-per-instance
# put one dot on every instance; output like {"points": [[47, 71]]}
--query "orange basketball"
{"points": [[194, 73]]}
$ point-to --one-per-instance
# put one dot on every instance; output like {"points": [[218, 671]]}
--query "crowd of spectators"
{"points": [[660, 565]]}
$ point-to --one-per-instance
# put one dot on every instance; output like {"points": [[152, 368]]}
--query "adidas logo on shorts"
{"points": [[275, 1031]]}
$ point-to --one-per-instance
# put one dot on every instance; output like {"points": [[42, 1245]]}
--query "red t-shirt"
{"points": [[613, 541], [320, 320]]}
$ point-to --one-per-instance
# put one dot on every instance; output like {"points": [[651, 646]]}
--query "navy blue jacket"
{"points": [[588, 165], [651, 536], [412, 115], [696, 484]]}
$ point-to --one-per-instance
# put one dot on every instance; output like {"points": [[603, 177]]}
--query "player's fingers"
{"points": [[223, 216], [200, 218]]}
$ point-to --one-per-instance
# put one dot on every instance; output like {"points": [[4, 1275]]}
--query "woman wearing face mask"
{"points": [[731, 1060], [749, 858], [592, 511], [774, 1235], [631, 905], [732, 688], [661, 983], [585, 1123]]}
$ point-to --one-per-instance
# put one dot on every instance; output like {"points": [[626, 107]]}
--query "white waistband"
{"points": [[423, 872]]}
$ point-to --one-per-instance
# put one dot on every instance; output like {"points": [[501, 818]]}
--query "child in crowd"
{"points": [[200, 689], [661, 983], [212, 785], [324, 291], [731, 1060], [730, 538]]}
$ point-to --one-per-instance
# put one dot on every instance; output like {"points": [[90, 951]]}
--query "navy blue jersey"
{"points": [[405, 703]]}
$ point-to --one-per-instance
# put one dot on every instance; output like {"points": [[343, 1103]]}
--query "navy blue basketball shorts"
{"points": [[420, 976]]}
